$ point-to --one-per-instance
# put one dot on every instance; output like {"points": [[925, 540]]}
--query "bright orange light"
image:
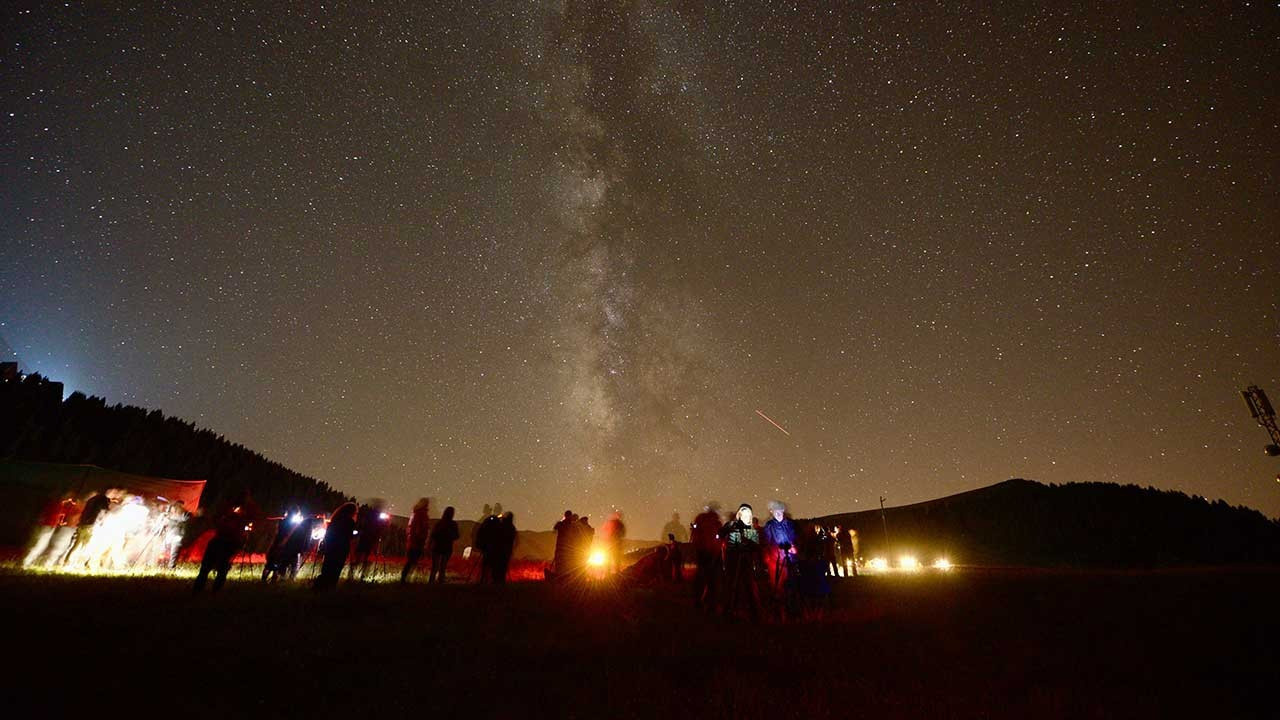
{"points": [[942, 564], [908, 562], [596, 558]]}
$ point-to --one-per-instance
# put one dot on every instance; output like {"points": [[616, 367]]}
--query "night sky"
{"points": [[558, 255]]}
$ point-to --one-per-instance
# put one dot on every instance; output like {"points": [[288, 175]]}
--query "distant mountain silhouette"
{"points": [[1022, 522]]}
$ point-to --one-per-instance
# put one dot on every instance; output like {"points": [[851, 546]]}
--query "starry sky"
{"points": [[559, 254]]}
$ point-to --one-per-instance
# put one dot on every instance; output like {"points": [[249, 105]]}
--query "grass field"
{"points": [[970, 643]]}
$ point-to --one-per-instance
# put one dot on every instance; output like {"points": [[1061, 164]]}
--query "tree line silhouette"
{"points": [[37, 425]]}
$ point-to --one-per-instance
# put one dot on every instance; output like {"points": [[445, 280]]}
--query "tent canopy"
{"points": [[55, 479]]}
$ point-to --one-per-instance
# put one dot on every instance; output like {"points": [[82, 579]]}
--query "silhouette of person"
{"points": [[97, 504], [611, 535], [676, 528], [812, 582], [443, 536], [371, 522], [825, 549], [485, 542], [675, 559], [230, 529], [501, 548], [273, 567], [418, 534], [844, 551], [585, 537], [175, 523], [853, 551], [55, 516], [566, 530], [295, 544], [336, 545], [705, 536]]}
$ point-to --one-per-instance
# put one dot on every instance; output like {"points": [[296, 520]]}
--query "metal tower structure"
{"points": [[1260, 408]]}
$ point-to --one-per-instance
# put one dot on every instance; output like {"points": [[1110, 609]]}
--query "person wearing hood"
{"points": [[742, 562]]}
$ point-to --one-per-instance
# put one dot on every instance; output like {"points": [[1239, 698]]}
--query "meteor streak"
{"points": [[771, 422]]}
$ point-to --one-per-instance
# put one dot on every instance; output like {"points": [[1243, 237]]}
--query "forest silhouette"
{"points": [[36, 425]]}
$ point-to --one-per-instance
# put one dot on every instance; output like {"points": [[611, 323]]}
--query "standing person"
{"points": [[837, 552], [336, 545], [175, 519], [54, 516], [675, 560], [94, 506], [273, 567], [65, 532], [780, 539], [443, 536], [230, 530], [854, 551], [584, 539], [504, 541], [677, 528], [566, 532], [844, 551], [705, 536], [295, 544], [485, 542], [825, 547], [813, 586], [417, 537], [370, 522], [742, 562], [128, 524], [612, 534], [581, 538]]}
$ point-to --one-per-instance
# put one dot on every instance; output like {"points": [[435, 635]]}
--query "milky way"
{"points": [[559, 254]]}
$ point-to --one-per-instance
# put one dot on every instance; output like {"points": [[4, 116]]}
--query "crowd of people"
{"points": [[740, 566], [107, 530], [577, 541]]}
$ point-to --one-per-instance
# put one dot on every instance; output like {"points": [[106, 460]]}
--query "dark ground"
{"points": [[969, 644]]}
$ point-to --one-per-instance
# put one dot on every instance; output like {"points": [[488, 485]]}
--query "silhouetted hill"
{"points": [[1021, 522]]}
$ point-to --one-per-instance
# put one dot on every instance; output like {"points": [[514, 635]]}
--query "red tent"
{"points": [[26, 487]]}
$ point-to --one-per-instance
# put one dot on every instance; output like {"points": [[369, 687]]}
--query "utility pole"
{"points": [[1260, 408], [885, 523]]}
